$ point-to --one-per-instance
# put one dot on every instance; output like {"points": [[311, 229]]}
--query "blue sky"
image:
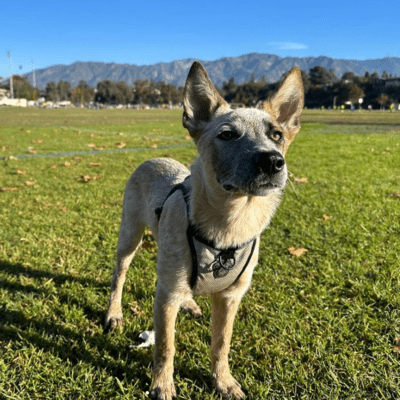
{"points": [[147, 32]]}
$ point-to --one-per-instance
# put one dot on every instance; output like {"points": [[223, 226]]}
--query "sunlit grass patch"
{"points": [[324, 325]]}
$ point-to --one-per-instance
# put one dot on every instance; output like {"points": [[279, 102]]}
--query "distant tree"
{"points": [[332, 76], [348, 92], [51, 91], [123, 93], [320, 76], [374, 76], [349, 76], [306, 82], [141, 91], [112, 92], [384, 75], [83, 93], [319, 96], [23, 88], [169, 94], [383, 99], [263, 80], [229, 90], [152, 93], [64, 90], [354, 93], [105, 92]]}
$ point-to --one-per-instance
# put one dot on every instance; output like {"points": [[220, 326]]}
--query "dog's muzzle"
{"points": [[269, 162]]}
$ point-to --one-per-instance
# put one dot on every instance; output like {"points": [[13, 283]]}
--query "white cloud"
{"points": [[288, 46]]}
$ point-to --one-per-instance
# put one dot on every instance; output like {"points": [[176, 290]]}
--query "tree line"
{"points": [[321, 86]]}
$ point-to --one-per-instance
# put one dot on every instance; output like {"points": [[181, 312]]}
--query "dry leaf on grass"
{"points": [[95, 164], [120, 145], [7, 189], [88, 178], [187, 137], [91, 145], [29, 183], [326, 217], [136, 309], [21, 172], [297, 252], [54, 166], [395, 194], [84, 178], [154, 146], [301, 180]]}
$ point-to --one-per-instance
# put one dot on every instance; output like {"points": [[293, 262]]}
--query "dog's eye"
{"points": [[226, 135], [277, 136]]}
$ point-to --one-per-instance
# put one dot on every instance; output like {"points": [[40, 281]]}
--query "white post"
{"points": [[34, 75], [11, 77]]}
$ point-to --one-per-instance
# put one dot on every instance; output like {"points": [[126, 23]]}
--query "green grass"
{"points": [[321, 326]]}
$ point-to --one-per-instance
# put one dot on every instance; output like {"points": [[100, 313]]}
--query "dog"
{"points": [[207, 220]]}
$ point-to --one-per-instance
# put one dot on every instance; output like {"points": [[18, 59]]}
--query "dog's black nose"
{"points": [[269, 162]]}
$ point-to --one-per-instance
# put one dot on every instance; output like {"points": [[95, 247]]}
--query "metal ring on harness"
{"points": [[227, 259], [223, 264]]}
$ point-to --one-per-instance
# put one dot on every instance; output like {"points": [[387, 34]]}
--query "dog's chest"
{"points": [[213, 269]]}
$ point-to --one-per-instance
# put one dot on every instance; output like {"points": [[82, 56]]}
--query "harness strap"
{"points": [[193, 232], [179, 186]]}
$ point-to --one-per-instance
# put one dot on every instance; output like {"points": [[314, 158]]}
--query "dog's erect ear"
{"points": [[200, 100], [287, 103]]}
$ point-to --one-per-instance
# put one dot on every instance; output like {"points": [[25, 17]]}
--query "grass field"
{"points": [[325, 325]]}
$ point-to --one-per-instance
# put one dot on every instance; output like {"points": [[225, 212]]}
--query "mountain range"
{"points": [[241, 68]]}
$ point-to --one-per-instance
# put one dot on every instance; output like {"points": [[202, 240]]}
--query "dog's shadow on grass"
{"points": [[52, 334], [17, 271]]}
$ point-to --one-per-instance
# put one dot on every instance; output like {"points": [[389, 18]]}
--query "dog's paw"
{"points": [[111, 323], [229, 388], [163, 392], [191, 307]]}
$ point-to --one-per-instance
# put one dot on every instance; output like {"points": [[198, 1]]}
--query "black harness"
{"points": [[213, 269]]}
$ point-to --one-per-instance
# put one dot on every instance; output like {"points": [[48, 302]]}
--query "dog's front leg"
{"points": [[166, 308], [223, 314]]}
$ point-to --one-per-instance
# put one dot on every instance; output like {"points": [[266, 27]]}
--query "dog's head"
{"points": [[242, 150]]}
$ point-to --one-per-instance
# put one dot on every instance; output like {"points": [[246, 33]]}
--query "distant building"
{"points": [[4, 93], [5, 101]]}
